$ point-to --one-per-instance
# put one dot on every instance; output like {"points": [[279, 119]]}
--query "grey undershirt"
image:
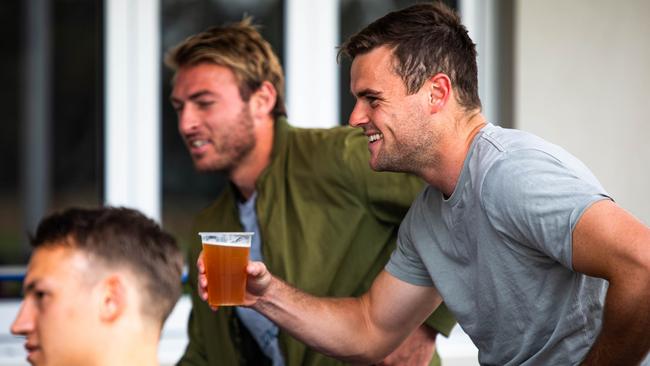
{"points": [[261, 328]]}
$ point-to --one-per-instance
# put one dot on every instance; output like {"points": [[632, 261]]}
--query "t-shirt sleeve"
{"points": [[533, 199], [405, 263]]}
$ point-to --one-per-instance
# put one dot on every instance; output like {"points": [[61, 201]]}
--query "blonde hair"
{"points": [[239, 47]]}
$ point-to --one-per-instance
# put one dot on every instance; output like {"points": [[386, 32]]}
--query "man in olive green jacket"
{"points": [[326, 223]]}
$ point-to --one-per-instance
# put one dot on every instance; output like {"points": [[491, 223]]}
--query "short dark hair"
{"points": [[241, 48], [426, 39], [117, 236]]}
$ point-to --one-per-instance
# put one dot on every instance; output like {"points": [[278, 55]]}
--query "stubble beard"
{"points": [[402, 158], [235, 147], [409, 156]]}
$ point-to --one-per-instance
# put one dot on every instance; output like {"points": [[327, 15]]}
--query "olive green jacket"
{"points": [[328, 225]]}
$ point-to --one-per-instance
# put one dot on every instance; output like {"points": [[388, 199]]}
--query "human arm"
{"points": [[360, 330], [417, 349], [610, 243]]}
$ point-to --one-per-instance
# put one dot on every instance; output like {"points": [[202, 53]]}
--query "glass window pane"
{"points": [[52, 97]]}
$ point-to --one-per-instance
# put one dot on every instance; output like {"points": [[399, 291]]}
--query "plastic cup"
{"points": [[225, 256]]}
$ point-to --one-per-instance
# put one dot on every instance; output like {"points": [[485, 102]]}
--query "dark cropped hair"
{"points": [[121, 237], [239, 47], [426, 39]]}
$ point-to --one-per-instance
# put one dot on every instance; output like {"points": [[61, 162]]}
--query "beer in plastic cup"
{"points": [[225, 256]]}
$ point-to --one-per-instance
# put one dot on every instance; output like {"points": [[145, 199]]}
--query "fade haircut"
{"points": [[117, 237], [239, 47], [426, 39]]}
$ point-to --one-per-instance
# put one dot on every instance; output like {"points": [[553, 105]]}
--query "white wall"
{"points": [[582, 81]]}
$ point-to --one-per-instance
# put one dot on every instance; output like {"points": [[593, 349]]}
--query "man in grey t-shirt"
{"points": [[498, 250], [537, 263]]}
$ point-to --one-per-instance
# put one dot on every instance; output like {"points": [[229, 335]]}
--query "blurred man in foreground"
{"points": [[534, 259], [99, 286], [323, 220]]}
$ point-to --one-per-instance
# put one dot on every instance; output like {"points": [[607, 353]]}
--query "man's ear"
{"points": [[263, 100], [113, 298], [439, 90]]}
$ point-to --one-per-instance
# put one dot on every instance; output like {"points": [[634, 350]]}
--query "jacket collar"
{"points": [[280, 140], [280, 134]]}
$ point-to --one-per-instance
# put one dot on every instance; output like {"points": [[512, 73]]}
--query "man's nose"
{"points": [[358, 117], [187, 120], [24, 322]]}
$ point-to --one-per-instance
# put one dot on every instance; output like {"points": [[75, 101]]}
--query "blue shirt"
{"points": [[264, 331]]}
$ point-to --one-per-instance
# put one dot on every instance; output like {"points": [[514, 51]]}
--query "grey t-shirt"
{"points": [[263, 330], [499, 250]]}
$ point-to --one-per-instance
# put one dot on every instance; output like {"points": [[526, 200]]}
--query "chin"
{"points": [[376, 166], [202, 169], [205, 167], [379, 165]]}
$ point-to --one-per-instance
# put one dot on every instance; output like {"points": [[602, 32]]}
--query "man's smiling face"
{"points": [[394, 121]]}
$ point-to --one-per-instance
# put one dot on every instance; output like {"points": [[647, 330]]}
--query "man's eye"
{"points": [[204, 104], [373, 102], [40, 298]]}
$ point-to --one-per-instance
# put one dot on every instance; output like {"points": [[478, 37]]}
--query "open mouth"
{"points": [[198, 143], [375, 137]]}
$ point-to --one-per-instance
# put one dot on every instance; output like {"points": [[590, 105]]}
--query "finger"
{"points": [[203, 294], [202, 287], [199, 263], [255, 269], [214, 308]]}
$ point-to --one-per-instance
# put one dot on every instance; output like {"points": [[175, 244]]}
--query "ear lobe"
{"points": [[113, 298], [439, 91], [263, 99]]}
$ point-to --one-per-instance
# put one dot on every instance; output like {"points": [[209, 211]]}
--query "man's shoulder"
{"points": [[327, 149], [324, 137]]}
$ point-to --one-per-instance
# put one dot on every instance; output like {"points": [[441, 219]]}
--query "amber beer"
{"points": [[225, 256]]}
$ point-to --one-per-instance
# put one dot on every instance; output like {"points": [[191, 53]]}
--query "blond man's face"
{"points": [[213, 120], [58, 314]]}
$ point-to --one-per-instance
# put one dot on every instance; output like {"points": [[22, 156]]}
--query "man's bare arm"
{"points": [[418, 345], [610, 243], [417, 349], [363, 330]]}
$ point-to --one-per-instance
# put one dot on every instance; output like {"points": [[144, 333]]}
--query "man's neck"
{"points": [[130, 351], [452, 151], [245, 175]]}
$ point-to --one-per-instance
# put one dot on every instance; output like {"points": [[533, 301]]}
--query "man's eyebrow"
{"points": [[193, 96], [29, 287], [367, 93]]}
